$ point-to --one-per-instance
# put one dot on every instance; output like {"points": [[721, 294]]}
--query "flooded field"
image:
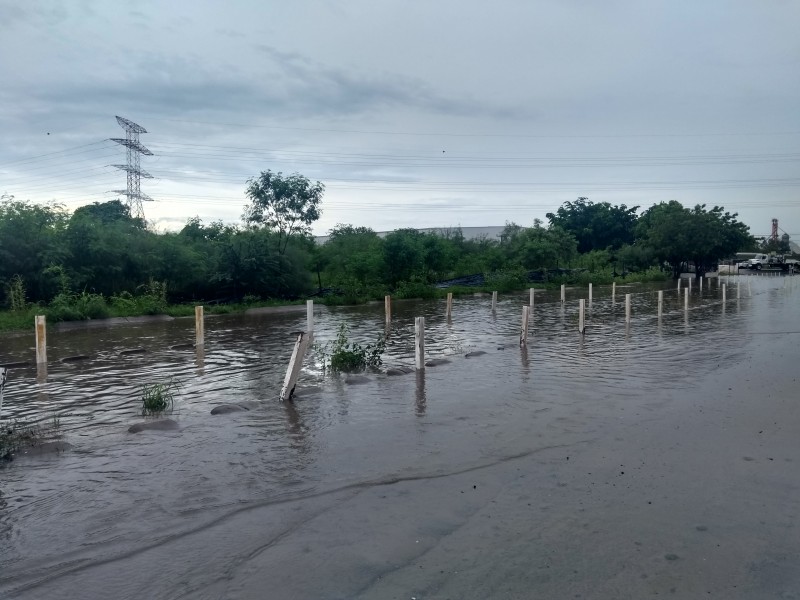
{"points": [[650, 459]]}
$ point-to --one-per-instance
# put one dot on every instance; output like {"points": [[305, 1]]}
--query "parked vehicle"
{"points": [[772, 261]]}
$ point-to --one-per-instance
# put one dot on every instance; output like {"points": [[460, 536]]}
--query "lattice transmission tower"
{"points": [[134, 150]]}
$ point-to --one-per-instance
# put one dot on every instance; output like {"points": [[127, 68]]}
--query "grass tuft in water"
{"points": [[158, 398], [16, 435]]}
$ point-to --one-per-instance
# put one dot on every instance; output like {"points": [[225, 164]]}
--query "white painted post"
{"points": [[309, 315], [199, 326], [723, 294], [419, 343], [660, 303], [581, 315], [523, 336], [613, 292], [295, 363], [3, 377], [449, 311], [387, 306], [590, 293], [530, 303], [690, 284], [627, 308], [494, 301], [563, 293], [41, 340], [686, 298], [701, 284], [679, 285]]}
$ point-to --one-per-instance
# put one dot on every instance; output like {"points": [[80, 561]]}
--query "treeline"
{"points": [[99, 250]]}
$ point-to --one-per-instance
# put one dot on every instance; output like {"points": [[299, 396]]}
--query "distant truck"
{"points": [[773, 262]]}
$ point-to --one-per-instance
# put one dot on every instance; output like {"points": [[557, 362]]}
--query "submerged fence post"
{"points": [[530, 302], [679, 285], [199, 326], [739, 289], [686, 299], [419, 342], [660, 303], [701, 284], [309, 315], [613, 292], [723, 294], [590, 293], [690, 284], [563, 293], [295, 363], [387, 307], [41, 340], [523, 336], [449, 311], [494, 301], [3, 377], [627, 308], [582, 315]]}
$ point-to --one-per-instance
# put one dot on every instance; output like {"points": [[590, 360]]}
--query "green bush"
{"points": [[507, 280], [415, 288], [349, 357]]}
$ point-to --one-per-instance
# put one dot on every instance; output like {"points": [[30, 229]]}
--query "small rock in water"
{"points": [[224, 409], [76, 358], [46, 448], [356, 379], [435, 362], [399, 371], [474, 353], [160, 425], [132, 351]]}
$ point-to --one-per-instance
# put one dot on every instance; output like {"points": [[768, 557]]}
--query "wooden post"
{"points": [[679, 285], [3, 377], [523, 336], [686, 298], [563, 293], [530, 303], [309, 315], [581, 315], [494, 301], [41, 339], [723, 294], [295, 363], [627, 308], [419, 342], [387, 307], [199, 326], [739, 291], [449, 311], [660, 303], [590, 293], [690, 284], [613, 292], [701, 284]]}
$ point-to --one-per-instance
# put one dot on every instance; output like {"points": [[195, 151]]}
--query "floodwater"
{"points": [[651, 459]]}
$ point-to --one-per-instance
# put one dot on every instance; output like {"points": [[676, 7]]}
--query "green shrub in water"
{"points": [[158, 398], [349, 356]]}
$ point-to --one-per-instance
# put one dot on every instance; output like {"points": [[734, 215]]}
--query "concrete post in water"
{"points": [[590, 293], [309, 315], [613, 292], [679, 285], [582, 315], [660, 303], [530, 303], [449, 310], [723, 294], [701, 284], [295, 363], [686, 298], [563, 293], [523, 336], [419, 342], [41, 340], [738, 290], [627, 308], [3, 377], [494, 301], [690, 284], [387, 306], [199, 326]]}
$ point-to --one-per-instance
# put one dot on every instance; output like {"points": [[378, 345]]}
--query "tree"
{"points": [[596, 226], [678, 235], [287, 204]]}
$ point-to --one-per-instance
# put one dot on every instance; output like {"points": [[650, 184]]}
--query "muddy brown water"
{"points": [[517, 472]]}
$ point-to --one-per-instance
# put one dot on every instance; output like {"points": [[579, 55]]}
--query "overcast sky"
{"points": [[413, 113]]}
